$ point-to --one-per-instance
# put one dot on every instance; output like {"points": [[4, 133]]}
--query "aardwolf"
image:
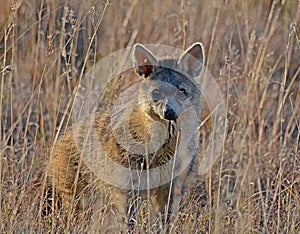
{"points": [[167, 98]]}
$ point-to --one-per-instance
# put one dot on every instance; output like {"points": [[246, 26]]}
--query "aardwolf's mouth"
{"points": [[170, 114], [165, 111]]}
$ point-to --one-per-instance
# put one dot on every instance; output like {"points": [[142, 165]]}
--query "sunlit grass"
{"points": [[252, 50]]}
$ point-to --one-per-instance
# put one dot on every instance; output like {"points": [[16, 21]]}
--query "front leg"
{"points": [[110, 210]]}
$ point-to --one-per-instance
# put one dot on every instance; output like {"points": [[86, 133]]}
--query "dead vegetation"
{"points": [[253, 51]]}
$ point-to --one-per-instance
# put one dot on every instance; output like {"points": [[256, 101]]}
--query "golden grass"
{"points": [[253, 51]]}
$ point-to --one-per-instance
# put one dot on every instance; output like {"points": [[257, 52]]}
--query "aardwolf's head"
{"points": [[169, 87]]}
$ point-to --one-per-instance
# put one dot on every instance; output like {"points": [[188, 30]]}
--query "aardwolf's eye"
{"points": [[156, 95], [182, 94]]}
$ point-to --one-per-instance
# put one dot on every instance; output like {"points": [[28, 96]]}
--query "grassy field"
{"points": [[253, 51]]}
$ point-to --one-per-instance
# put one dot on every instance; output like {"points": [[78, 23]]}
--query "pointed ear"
{"points": [[143, 61], [192, 60]]}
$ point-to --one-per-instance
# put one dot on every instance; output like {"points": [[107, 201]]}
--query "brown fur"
{"points": [[80, 189]]}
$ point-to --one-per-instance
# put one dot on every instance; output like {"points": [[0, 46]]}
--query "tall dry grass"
{"points": [[253, 51]]}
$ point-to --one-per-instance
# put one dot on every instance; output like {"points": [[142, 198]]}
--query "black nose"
{"points": [[170, 114]]}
